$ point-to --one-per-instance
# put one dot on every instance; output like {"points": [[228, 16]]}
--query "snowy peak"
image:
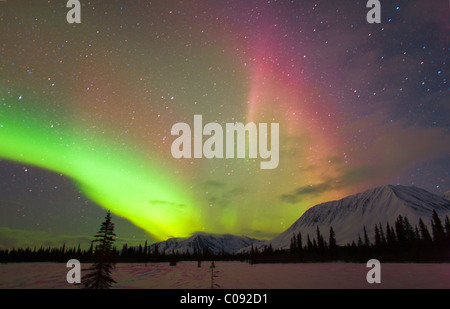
{"points": [[419, 199], [382, 202], [350, 215], [197, 242]]}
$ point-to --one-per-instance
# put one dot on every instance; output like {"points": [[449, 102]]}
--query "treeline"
{"points": [[152, 254], [128, 254], [398, 243], [48, 254]]}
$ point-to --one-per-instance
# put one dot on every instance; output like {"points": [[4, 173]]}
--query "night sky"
{"points": [[86, 112]]}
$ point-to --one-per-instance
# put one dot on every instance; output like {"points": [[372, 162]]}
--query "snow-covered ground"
{"points": [[235, 275]]}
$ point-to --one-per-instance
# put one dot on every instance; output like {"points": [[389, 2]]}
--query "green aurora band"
{"points": [[122, 182]]}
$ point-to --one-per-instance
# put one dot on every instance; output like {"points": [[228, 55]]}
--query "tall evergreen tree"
{"points": [[410, 234], [320, 241], [300, 245], [378, 241], [390, 236], [309, 244], [383, 238], [124, 250], [366, 238], [91, 250], [146, 250], [293, 245], [332, 245], [400, 231], [99, 276], [360, 243], [447, 227], [424, 234], [416, 233], [437, 228], [140, 252], [214, 274]]}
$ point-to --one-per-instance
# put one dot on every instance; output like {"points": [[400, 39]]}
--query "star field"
{"points": [[86, 111]]}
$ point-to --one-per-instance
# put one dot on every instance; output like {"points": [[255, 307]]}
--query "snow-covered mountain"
{"points": [[215, 243], [349, 216]]}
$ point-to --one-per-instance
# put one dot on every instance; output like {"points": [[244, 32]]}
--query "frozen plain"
{"points": [[236, 275]]}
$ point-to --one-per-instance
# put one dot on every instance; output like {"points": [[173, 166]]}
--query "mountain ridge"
{"points": [[349, 216], [216, 243]]}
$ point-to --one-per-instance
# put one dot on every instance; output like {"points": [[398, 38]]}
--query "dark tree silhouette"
{"points": [[360, 242], [390, 236], [300, 246], [383, 238], [409, 245], [332, 243], [437, 228], [99, 276], [378, 241], [309, 244], [214, 274], [321, 245], [366, 238], [424, 234], [447, 227]]}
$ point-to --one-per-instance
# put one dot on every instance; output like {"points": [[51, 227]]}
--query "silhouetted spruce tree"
{"points": [[383, 238], [447, 233], [214, 274], [438, 229], [416, 234], [360, 242], [320, 242], [79, 252], [378, 241], [400, 232], [206, 252], [366, 238], [300, 246], [63, 250], [90, 252], [293, 245], [410, 234], [447, 228], [99, 276], [253, 254], [309, 244], [332, 245], [314, 245], [390, 237], [145, 252], [124, 251], [140, 251]]}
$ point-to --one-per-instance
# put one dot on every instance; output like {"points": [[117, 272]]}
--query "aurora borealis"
{"points": [[86, 111]]}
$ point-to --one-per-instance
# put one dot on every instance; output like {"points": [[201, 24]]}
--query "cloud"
{"points": [[351, 177], [315, 190], [388, 150]]}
